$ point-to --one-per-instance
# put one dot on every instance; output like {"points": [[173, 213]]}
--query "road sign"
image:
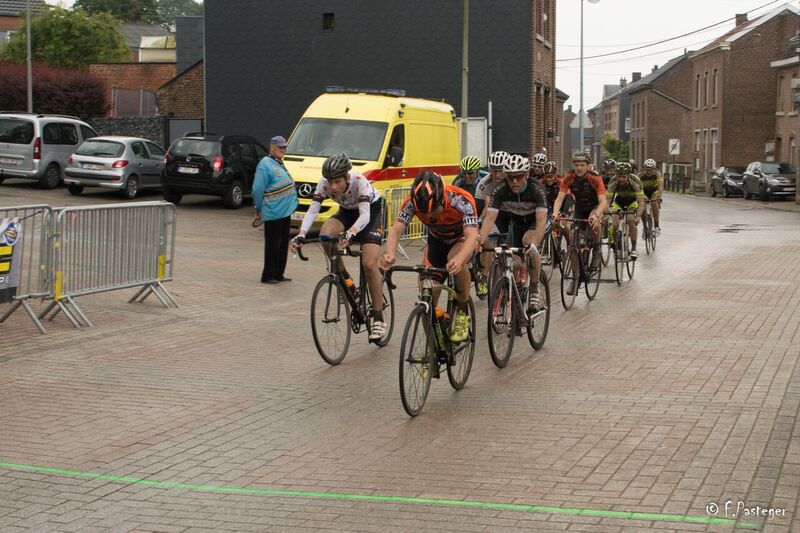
{"points": [[674, 147]]}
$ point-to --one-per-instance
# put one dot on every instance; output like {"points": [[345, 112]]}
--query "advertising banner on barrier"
{"points": [[10, 258]]}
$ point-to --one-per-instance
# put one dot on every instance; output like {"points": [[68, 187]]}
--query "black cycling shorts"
{"points": [[436, 255], [373, 232]]}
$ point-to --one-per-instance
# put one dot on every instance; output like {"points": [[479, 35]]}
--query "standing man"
{"points": [[275, 199]]}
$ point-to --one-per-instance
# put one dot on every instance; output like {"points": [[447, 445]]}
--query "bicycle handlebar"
{"points": [[323, 239], [419, 269]]}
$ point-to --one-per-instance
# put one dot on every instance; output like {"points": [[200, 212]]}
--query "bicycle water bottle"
{"points": [[352, 286], [441, 323]]}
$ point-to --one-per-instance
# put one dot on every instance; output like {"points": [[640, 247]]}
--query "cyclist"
{"points": [[609, 171], [526, 202], [487, 186], [625, 194], [538, 161], [551, 183], [653, 185], [469, 176], [360, 215], [634, 166], [452, 220], [589, 192]]}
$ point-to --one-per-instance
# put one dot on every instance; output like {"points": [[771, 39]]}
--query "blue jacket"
{"points": [[274, 194]]}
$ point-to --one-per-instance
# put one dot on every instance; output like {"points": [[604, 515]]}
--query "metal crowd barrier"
{"points": [[109, 247], [394, 202], [25, 244]]}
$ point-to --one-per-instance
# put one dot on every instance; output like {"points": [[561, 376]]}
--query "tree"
{"points": [[70, 39], [169, 10], [124, 10], [616, 148]]}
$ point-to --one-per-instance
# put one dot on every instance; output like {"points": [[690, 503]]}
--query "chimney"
{"points": [[741, 18], [569, 108], [636, 76], [655, 67], [622, 82]]}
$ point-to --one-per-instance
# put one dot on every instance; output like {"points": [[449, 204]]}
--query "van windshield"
{"points": [[322, 137], [16, 131]]}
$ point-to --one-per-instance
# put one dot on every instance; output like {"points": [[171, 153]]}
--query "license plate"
{"points": [[89, 166], [7, 161], [188, 170], [297, 216], [789, 189]]}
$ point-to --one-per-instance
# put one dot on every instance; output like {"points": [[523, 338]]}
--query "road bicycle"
{"points": [[510, 302], [477, 276], [578, 268], [622, 247], [426, 344], [339, 307], [648, 230]]}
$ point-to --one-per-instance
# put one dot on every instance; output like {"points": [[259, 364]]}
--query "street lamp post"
{"points": [[28, 52], [581, 112], [465, 79]]}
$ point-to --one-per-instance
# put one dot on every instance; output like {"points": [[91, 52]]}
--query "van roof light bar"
{"points": [[334, 89]]}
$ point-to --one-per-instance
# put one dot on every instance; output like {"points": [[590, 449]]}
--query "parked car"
{"points": [[206, 163], [727, 181], [36, 146], [769, 179], [127, 164]]}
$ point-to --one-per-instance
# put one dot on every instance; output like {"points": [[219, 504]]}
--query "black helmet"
{"points": [[581, 156], [623, 168], [551, 167], [609, 163], [336, 166], [427, 191]]}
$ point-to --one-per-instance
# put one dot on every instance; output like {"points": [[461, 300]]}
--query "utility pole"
{"points": [[28, 52], [465, 79]]}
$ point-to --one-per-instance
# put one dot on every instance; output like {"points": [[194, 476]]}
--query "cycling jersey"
{"points": [[623, 195], [523, 205], [461, 183], [650, 183], [459, 213], [358, 195], [585, 190]]}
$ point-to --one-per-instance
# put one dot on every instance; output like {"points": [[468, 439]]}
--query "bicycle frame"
{"points": [[504, 256]]}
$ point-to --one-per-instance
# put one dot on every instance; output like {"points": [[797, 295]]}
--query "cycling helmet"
{"points": [[336, 165], [623, 168], [581, 156], [539, 159], [470, 164], [649, 163], [609, 164], [517, 163], [551, 167], [497, 159], [427, 191]]}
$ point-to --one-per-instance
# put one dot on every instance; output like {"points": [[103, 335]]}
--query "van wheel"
{"points": [[131, 188], [51, 178], [172, 196], [74, 189], [2, 180], [234, 196]]}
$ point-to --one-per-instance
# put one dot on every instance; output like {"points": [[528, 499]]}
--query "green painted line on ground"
{"points": [[378, 498]]}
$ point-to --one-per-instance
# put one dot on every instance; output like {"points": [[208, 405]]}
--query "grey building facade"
{"points": [[266, 61], [189, 42]]}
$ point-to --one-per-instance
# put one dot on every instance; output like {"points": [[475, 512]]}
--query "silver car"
{"points": [[127, 164]]}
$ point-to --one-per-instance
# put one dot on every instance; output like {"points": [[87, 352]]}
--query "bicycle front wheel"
{"points": [[630, 263], [593, 275], [387, 307], [502, 322], [570, 279], [619, 259], [460, 364], [647, 229], [606, 242], [330, 320], [548, 255], [417, 360], [540, 322]]}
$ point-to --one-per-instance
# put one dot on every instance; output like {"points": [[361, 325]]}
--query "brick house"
{"points": [[733, 88], [10, 21], [130, 84], [660, 110], [787, 125], [545, 107], [183, 95]]}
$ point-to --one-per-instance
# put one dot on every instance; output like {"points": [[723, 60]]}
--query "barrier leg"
{"points": [[47, 309], [10, 312], [167, 295], [78, 312], [24, 304], [136, 296]]}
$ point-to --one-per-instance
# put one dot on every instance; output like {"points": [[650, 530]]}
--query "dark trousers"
{"points": [[276, 248]]}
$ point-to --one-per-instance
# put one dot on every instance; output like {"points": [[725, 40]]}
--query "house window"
{"points": [[778, 149], [781, 81], [705, 148], [697, 150], [546, 20], [627, 124], [697, 92], [792, 151], [328, 21], [714, 141], [10, 34], [714, 88], [705, 90]]}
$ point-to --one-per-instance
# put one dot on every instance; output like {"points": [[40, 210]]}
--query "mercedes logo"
{"points": [[304, 190]]}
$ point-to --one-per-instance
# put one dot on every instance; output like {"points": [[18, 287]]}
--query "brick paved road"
{"points": [[662, 396]]}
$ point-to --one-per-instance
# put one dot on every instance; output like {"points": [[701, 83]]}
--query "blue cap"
{"points": [[278, 141]]}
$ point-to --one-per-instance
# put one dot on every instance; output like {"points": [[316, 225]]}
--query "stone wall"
{"points": [[155, 128]]}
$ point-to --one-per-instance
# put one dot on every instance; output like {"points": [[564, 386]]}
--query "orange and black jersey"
{"points": [[459, 213], [585, 189]]}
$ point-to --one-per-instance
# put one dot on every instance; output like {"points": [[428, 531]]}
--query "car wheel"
{"points": [[2, 180], [234, 196], [131, 188], [74, 189], [745, 194], [762, 194], [713, 191], [51, 178], [171, 196], [726, 192]]}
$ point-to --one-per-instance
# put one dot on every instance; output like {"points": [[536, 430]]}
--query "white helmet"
{"points": [[517, 163], [497, 159], [649, 163], [539, 159]]}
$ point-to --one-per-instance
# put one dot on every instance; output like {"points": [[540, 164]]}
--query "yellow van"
{"points": [[389, 138]]}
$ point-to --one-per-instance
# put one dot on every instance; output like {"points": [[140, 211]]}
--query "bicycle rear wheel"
{"points": [[605, 245], [417, 360], [570, 279], [502, 321], [330, 320], [647, 229], [592, 274], [538, 326], [630, 263], [548, 252], [460, 364], [387, 307]]}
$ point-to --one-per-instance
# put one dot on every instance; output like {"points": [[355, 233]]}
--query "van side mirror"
{"points": [[394, 157]]}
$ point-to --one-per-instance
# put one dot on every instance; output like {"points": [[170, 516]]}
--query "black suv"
{"points": [[768, 179], [206, 163]]}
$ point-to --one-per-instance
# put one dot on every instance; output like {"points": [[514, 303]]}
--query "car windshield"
{"points": [[777, 168], [195, 147], [735, 171], [101, 148], [322, 137], [16, 131]]}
